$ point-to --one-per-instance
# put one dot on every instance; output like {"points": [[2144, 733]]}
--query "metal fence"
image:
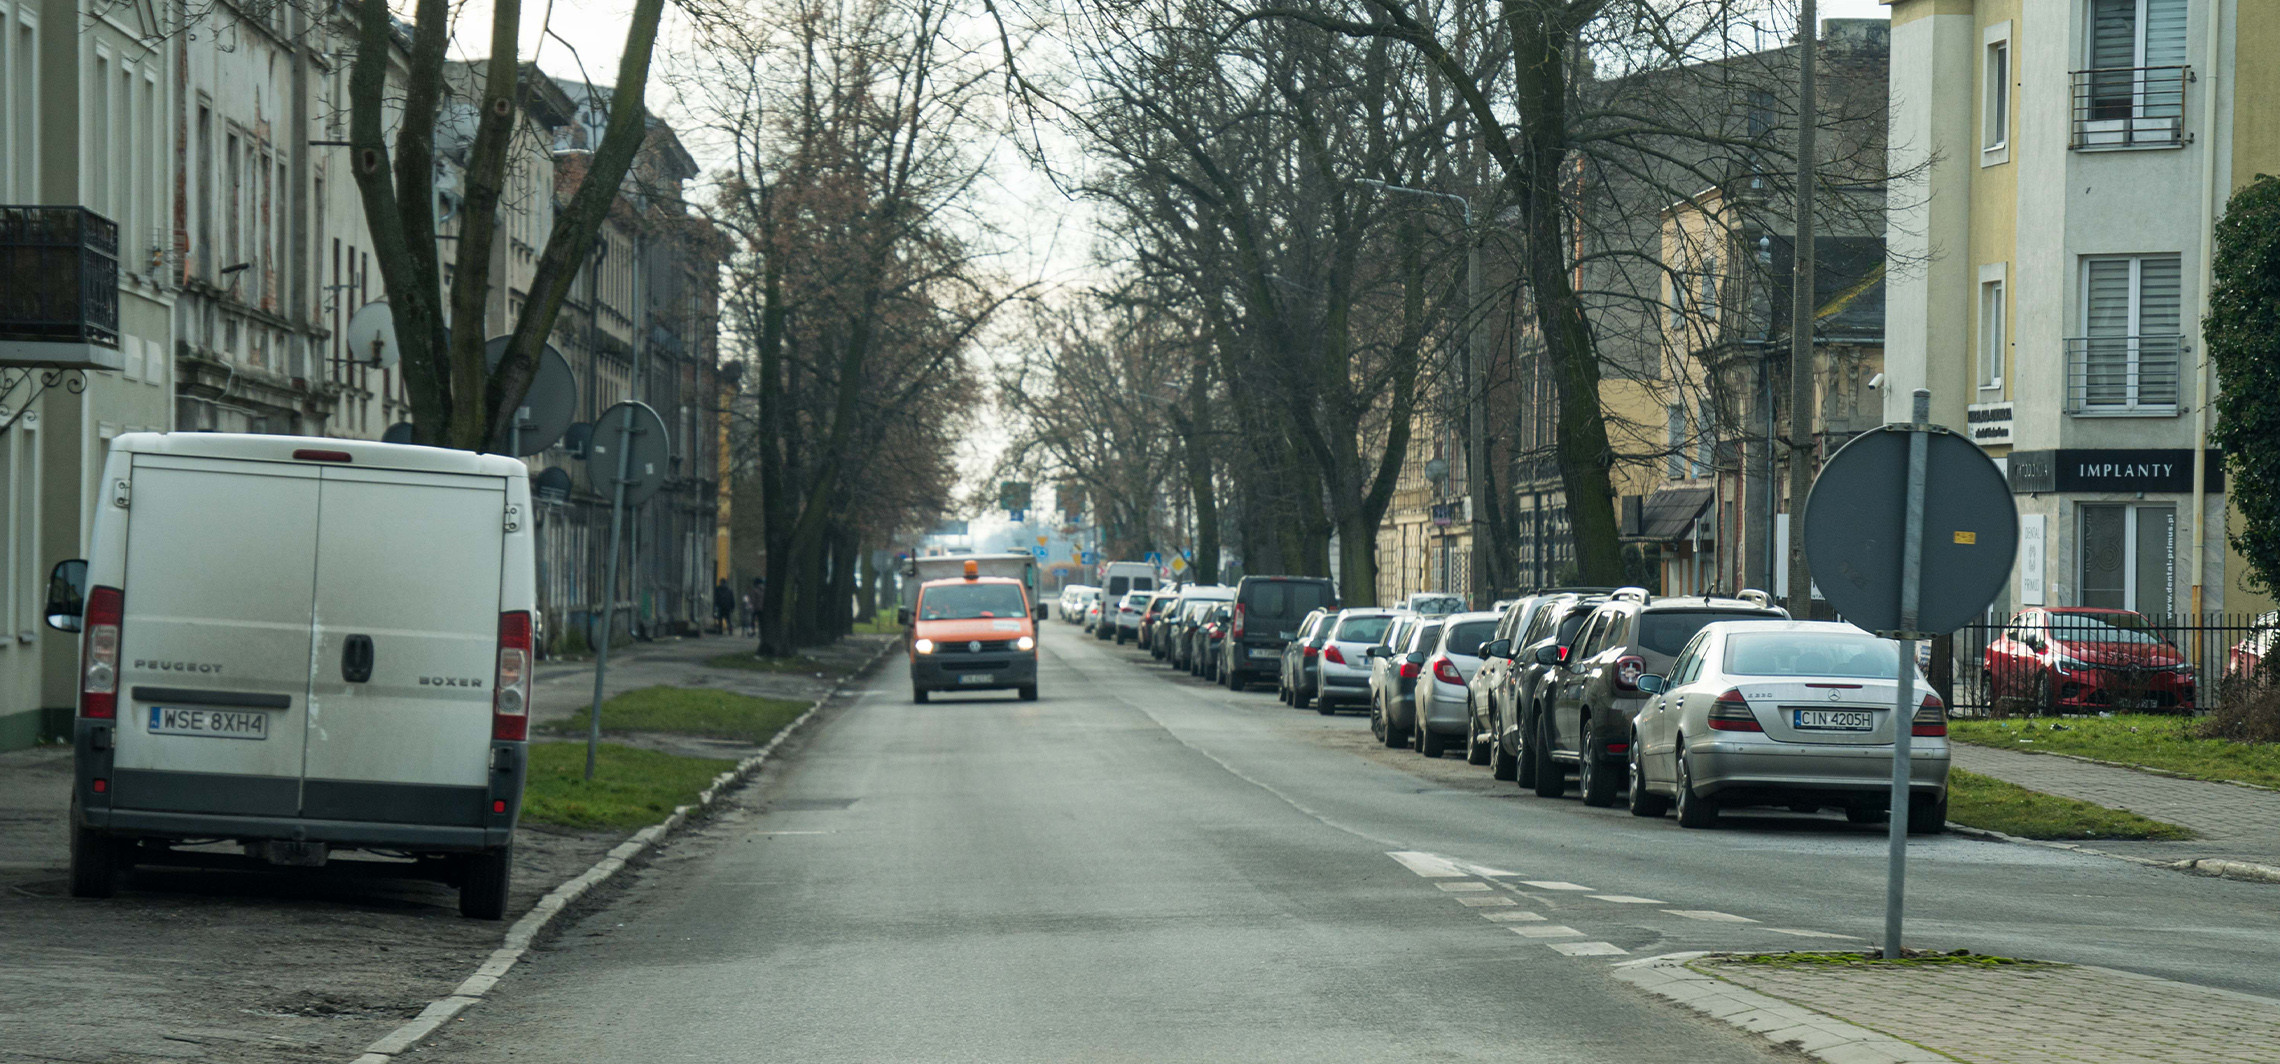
{"points": [[2068, 663]]}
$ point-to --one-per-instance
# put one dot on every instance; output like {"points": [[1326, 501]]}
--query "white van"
{"points": [[302, 645]]}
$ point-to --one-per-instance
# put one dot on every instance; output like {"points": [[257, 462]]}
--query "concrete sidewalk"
{"points": [[2236, 823], [2011, 1014]]}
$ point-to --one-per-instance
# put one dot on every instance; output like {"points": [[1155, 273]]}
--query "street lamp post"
{"points": [[1476, 434]]}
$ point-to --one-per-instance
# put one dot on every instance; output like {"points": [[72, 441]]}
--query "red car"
{"points": [[2247, 656], [2076, 659]]}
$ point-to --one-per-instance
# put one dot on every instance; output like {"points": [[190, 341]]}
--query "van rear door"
{"points": [[214, 644], [406, 635]]}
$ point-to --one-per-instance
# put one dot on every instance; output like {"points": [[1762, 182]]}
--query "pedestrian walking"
{"points": [[724, 605]]}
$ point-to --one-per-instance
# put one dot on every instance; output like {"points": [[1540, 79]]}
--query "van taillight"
{"points": [[510, 691], [1238, 620], [99, 654]]}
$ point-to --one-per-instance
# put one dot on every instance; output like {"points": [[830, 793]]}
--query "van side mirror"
{"points": [[1650, 684], [67, 595], [902, 616], [1497, 648]]}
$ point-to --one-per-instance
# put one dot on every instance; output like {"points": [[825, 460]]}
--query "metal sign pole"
{"points": [[609, 586], [1904, 690]]}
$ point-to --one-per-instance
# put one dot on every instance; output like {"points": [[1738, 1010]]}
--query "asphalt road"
{"points": [[1143, 867]]}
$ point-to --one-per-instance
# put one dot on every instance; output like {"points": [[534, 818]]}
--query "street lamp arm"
{"points": [[1462, 201]]}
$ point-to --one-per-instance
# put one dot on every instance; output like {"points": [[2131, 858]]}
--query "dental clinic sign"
{"points": [[2085, 469]]}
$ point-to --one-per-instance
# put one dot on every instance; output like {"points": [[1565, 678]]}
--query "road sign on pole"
{"points": [[1909, 563]]}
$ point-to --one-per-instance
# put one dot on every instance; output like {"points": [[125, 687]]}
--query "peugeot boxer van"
{"points": [[303, 646]]}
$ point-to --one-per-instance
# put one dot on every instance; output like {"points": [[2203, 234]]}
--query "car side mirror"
{"points": [[1038, 613], [1651, 684], [1380, 651], [902, 616], [1549, 654], [67, 595], [1497, 648]]}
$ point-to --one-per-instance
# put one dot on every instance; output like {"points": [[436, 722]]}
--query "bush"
{"points": [[2247, 710]]}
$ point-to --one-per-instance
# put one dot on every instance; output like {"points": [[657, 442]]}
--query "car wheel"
{"points": [[1322, 705], [2045, 699], [1927, 815], [1429, 742], [1523, 755], [1235, 679], [1643, 802], [1597, 782], [94, 860], [1501, 764], [488, 877], [1029, 693], [1694, 810], [1476, 751], [1551, 776], [918, 695]]}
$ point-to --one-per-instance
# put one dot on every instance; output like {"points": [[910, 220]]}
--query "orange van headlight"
{"points": [[923, 646], [1024, 643]]}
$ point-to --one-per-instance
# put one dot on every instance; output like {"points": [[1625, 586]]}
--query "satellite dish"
{"points": [[549, 404], [400, 432], [577, 438], [551, 485], [644, 437], [371, 336]]}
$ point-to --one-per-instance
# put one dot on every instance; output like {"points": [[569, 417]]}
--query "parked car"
{"points": [[2077, 659], [1207, 635], [309, 675], [1440, 717], [972, 633], [1342, 671], [1300, 657], [1143, 636], [1196, 604], [1096, 611], [2246, 658], [1395, 663], [1513, 708], [1071, 608], [1433, 603], [1789, 713], [1482, 691], [1267, 610], [1587, 698], [1129, 610]]}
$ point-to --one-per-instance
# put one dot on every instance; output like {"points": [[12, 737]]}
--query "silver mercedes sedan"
{"points": [[1795, 714]]}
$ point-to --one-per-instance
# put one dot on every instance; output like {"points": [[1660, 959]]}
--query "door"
{"points": [[214, 646], [2129, 557], [406, 636]]}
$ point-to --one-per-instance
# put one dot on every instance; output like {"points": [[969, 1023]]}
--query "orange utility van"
{"points": [[973, 633]]}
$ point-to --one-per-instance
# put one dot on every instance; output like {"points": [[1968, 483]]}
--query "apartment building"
{"points": [[2075, 154]]}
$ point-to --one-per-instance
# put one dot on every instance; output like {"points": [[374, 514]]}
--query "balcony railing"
{"points": [[2130, 107], [2123, 375], [59, 276]]}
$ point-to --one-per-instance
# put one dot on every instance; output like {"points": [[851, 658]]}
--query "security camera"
{"points": [[1876, 381]]}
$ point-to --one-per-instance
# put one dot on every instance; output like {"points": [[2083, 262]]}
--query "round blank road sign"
{"points": [[1856, 530], [645, 437], [549, 404]]}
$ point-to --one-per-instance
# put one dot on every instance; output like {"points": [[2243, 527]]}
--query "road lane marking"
{"points": [[1462, 885], [1484, 871], [1483, 901], [1516, 916], [1430, 865], [1810, 934], [1589, 949], [1546, 931], [1554, 884], [1711, 915], [1626, 899]]}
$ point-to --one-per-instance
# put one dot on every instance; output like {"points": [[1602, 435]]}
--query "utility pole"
{"points": [[1801, 309]]}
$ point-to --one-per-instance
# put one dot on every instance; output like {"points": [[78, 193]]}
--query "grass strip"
{"points": [[631, 787], [1992, 804], [697, 711], [2167, 743], [796, 665], [881, 623]]}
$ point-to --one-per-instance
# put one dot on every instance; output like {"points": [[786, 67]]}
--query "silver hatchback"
{"points": [[1342, 672]]}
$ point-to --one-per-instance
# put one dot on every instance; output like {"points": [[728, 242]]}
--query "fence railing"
{"points": [[2130, 107], [2123, 374], [2175, 663]]}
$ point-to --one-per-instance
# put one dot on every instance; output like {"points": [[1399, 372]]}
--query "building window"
{"points": [[1995, 122], [2131, 92], [2129, 557], [2127, 358], [1675, 468], [1991, 338]]}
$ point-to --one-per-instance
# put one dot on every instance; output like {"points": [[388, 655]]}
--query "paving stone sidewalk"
{"points": [[1982, 1015], [2235, 823]]}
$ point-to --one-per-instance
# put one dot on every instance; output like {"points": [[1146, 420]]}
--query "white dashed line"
{"points": [[1464, 885], [1516, 916], [1482, 901], [1554, 884], [1810, 934], [1589, 949], [1711, 915], [1484, 871], [1626, 899], [1430, 865], [1546, 931]]}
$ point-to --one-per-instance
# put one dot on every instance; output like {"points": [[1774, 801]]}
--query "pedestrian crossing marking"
{"points": [[1810, 934], [1589, 949], [1554, 884], [1465, 885], [1516, 916], [1480, 901], [1626, 899], [1545, 931], [1711, 915], [1430, 865]]}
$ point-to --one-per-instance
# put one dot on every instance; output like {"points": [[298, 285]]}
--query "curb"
{"points": [[1814, 1034], [2205, 866], [526, 930]]}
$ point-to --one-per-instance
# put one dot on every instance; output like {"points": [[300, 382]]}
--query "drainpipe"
{"points": [[2208, 277]]}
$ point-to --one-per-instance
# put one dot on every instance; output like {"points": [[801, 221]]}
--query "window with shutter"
{"points": [[2128, 355], [2133, 92]]}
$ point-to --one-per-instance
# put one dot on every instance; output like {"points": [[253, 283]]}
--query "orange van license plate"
{"points": [[210, 723]]}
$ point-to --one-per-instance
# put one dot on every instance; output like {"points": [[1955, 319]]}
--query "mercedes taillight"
{"points": [[1931, 718], [1732, 713], [99, 654], [510, 690]]}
